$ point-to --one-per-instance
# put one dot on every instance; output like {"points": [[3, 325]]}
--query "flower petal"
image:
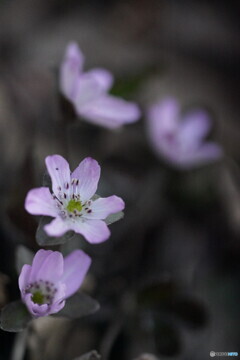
{"points": [[194, 127], [70, 70], [205, 154], [40, 202], [58, 169], [40, 310], [76, 266], [35, 309], [56, 307], [103, 207], [88, 173], [88, 88], [103, 77], [48, 266], [110, 111], [163, 117], [59, 298], [95, 231], [57, 227], [23, 279], [39, 258]]}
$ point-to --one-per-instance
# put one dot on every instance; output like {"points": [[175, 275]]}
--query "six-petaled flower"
{"points": [[88, 92], [180, 140], [51, 279], [71, 202]]}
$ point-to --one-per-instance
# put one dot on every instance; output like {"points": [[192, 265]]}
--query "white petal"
{"points": [[40, 202], [103, 207], [58, 169], [57, 227], [110, 111], [88, 174], [95, 231]]}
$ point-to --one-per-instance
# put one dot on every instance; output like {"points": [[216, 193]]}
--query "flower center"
{"points": [[38, 298], [42, 292], [74, 205]]}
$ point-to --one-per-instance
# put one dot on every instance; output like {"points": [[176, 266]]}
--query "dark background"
{"points": [[168, 278]]}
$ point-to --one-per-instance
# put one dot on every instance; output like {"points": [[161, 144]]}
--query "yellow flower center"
{"points": [[74, 205], [38, 298]]}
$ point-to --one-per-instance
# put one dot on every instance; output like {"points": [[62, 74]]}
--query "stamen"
{"points": [[56, 198], [42, 292], [67, 186]]}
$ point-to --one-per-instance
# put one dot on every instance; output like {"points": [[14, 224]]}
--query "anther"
{"points": [[66, 185]]}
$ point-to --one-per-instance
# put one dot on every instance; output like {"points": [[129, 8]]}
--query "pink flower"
{"points": [[71, 203], [51, 279], [88, 92], [180, 141]]}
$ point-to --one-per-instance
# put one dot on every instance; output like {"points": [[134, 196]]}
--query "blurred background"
{"points": [[168, 278]]}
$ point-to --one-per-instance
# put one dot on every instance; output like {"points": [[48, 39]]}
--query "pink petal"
{"points": [[57, 227], [88, 88], [35, 309], [38, 260], [95, 231], [56, 307], [47, 265], [40, 310], [23, 279], [103, 77], [70, 70], [59, 298], [58, 169], [76, 266], [205, 154], [194, 127], [103, 207], [40, 202], [110, 111], [88, 173], [163, 117]]}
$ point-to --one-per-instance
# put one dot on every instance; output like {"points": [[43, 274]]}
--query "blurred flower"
{"points": [[51, 279], [181, 140], [88, 92], [72, 203]]}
